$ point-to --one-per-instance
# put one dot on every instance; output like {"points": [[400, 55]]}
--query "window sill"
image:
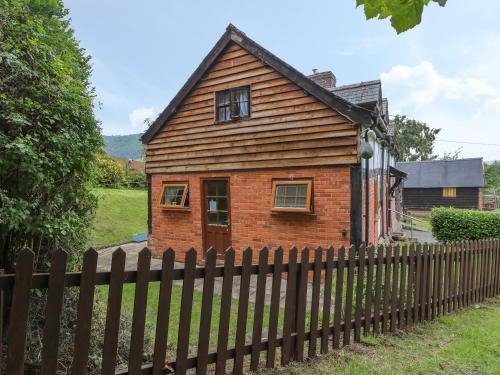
{"points": [[284, 212], [181, 209], [236, 119]]}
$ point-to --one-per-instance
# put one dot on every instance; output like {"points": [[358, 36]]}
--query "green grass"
{"points": [[467, 342], [120, 214], [425, 224], [152, 308]]}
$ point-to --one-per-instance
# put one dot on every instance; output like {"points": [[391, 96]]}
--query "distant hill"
{"points": [[124, 146]]}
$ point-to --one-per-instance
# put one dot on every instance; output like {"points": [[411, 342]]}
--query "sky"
{"points": [[444, 72]]}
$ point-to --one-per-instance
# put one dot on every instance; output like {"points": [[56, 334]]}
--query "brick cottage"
{"points": [[251, 152]]}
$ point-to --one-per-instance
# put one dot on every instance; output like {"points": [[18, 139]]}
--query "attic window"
{"points": [[233, 104], [174, 195], [449, 192], [292, 196]]}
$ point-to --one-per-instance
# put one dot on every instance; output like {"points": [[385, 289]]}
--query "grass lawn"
{"points": [[466, 342], [152, 308], [425, 223], [120, 214]]}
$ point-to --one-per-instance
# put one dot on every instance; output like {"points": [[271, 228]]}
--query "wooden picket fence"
{"points": [[358, 291]]}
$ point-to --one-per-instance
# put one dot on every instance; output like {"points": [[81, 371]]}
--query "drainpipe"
{"points": [[381, 191], [367, 195]]}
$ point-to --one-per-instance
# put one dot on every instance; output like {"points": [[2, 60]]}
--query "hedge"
{"points": [[453, 224]]}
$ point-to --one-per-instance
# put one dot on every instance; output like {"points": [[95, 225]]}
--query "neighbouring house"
{"points": [[449, 183], [251, 152]]}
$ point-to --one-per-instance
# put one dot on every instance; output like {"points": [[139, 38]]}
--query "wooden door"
{"points": [[216, 215]]}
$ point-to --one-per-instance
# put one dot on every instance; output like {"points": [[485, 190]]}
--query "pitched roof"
{"points": [[443, 173], [352, 112], [364, 93], [391, 130]]}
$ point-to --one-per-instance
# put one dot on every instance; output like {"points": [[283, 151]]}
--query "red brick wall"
{"points": [[374, 186], [252, 222]]}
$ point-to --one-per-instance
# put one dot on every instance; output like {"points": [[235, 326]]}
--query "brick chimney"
{"points": [[326, 79]]}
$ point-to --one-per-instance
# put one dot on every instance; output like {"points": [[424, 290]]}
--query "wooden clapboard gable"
{"points": [[287, 126]]}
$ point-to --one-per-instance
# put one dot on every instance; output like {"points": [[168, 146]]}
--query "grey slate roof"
{"points": [[443, 173], [385, 112], [360, 93]]}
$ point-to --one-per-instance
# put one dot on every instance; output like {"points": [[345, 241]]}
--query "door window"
{"points": [[217, 205]]}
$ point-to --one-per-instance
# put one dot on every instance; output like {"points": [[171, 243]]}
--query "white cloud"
{"points": [[422, 84], [465, 106], [139, 115], [491, 106]]}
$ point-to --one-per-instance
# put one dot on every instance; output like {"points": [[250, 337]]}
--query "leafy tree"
{"points": [[452, 155], [492, 176], [109, 173], [404, 14], [49, 136], [414, 139]]}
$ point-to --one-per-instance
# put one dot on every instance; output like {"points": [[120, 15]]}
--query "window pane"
{"points": [[212, 189], [290, 201], [290, 196], [278, 198], [223, 218], [222, 189], [302, 190], [172, 195], [222, 98], [222, 204], [212, 205], [212, 218], [301, 202], [243, 109]]}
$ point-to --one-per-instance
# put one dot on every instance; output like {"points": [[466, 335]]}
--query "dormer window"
{"points": [[233, 104]]}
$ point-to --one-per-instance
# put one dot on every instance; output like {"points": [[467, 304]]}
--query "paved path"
{"points": [[421, 236], [132, 249]]}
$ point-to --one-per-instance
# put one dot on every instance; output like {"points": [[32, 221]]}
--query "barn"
{"points": [[448, 183]]}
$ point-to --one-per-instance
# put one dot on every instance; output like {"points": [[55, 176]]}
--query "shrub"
{"points": [[135, 180], [452, 224], [109, 173]]}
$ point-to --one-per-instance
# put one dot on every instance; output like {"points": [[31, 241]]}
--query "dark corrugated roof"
{"points": [[443, 173], [360, 93]]}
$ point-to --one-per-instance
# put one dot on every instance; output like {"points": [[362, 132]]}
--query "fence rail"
{"points": [[328, 302]]}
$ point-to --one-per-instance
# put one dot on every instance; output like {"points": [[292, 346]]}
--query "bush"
{"points": [[109, 173], [135, 180], [453, 224]]}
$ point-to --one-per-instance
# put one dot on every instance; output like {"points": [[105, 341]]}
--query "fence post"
{"points": [[2, 271], [327, 301], [338, 298], [19, 313], [275, 307]]}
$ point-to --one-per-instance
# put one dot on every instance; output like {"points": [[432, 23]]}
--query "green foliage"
{"points": [[49, 136], [135, 180], [109, 173], [404, 14], [414, 139], [453, 224], [492, 177], [124, 146], [452, 155]]}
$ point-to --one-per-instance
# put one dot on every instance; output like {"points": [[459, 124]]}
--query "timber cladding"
{"points": [[287, 126], [427, 198], [251, 220]]}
